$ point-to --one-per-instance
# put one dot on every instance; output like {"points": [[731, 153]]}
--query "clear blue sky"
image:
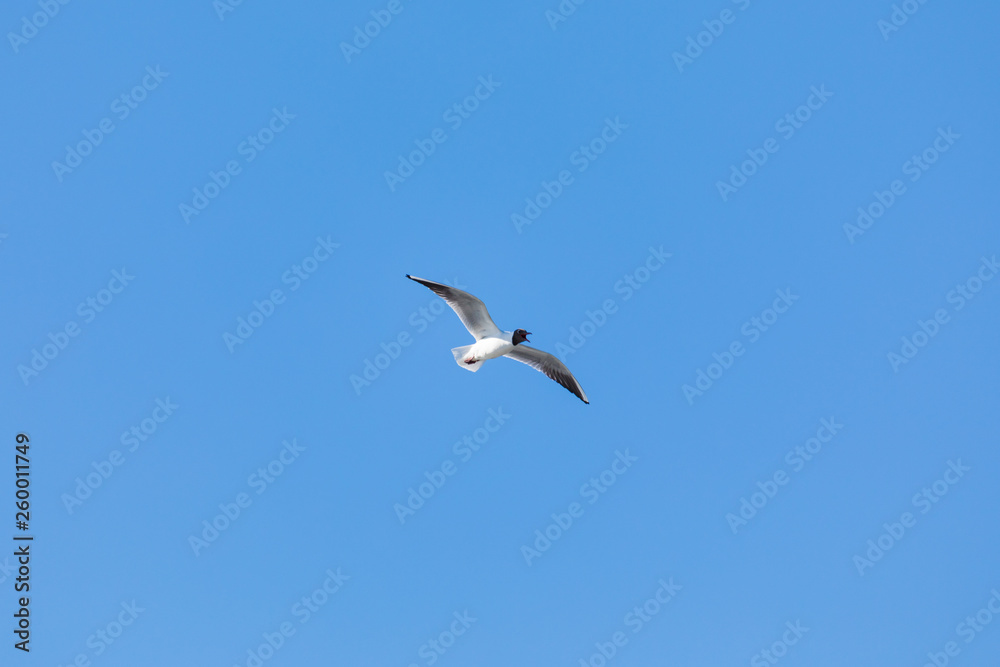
{"points": [[762, 237]]}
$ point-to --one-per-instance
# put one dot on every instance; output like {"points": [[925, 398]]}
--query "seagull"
{"points": [[491, 342]]}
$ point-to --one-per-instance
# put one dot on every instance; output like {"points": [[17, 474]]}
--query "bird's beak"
{"points": [[526, 336]]}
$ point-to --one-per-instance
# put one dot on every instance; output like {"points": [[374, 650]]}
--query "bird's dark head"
{"points": [[520, 336]]}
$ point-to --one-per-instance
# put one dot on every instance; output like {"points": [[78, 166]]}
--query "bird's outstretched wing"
{"points": [[550, 365], [469, 309]]}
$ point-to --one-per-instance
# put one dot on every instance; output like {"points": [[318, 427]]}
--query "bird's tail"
{"points": [[460, 354]]}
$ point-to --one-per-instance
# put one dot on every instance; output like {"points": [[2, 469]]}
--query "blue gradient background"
{"points": [[655, 186]]}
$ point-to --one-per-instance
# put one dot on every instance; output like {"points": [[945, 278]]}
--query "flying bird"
{"points": [[491, 342]]}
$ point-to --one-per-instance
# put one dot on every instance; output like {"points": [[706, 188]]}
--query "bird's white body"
{"points": [[471, 357]]}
